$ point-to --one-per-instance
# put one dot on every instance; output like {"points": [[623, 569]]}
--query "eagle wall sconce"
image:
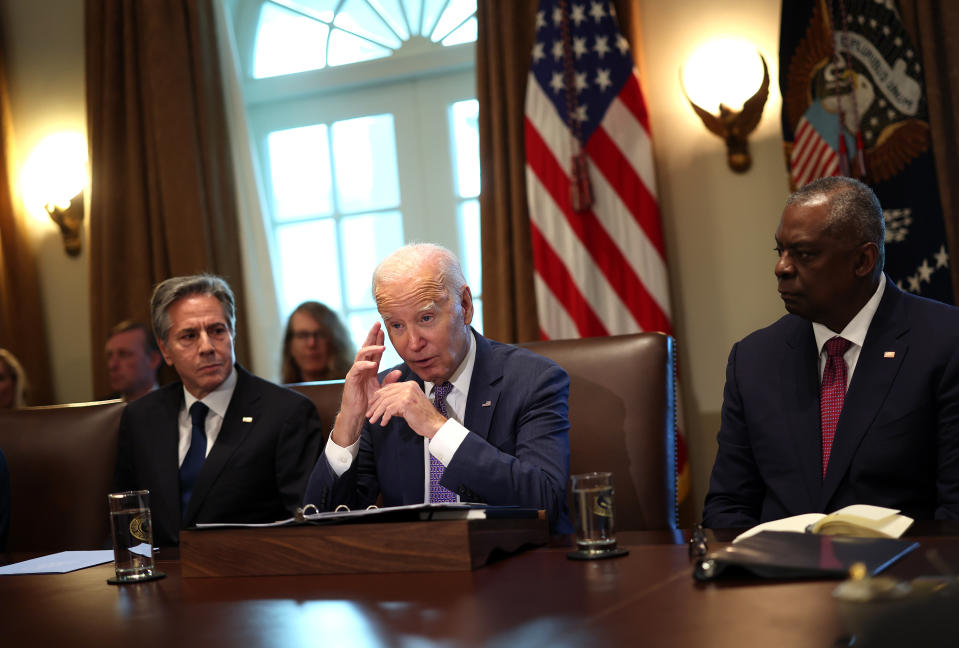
{"points": [[722, 73], [55, 176]]}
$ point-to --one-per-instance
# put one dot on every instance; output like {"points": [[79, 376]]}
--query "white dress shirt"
{"points": [[218, 401], [447, 439], [855, 331]]}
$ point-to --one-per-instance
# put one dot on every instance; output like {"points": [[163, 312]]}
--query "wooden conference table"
{"points": [[535, 598]]}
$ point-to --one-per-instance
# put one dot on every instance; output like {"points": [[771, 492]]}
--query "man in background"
{"points": [[851, 398], [221, 445], [133, 358]]}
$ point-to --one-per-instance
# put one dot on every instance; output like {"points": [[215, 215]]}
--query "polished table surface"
{"points": [[536, 598]]}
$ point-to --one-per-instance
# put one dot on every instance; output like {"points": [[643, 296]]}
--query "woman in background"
{"points": [[316, 345], [13, 382]]}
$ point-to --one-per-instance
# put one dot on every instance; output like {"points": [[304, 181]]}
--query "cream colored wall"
{"points": [[718, 225], [44, 66]]}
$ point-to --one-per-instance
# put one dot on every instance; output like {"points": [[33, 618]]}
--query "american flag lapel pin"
{"points": [[247, 419], [889, 354], [487, 404]]}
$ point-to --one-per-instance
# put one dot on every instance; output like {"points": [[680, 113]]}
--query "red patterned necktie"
{"points": [[437, 492], [832, 393]]}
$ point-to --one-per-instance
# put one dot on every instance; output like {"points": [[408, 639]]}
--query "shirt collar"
{"points": [[463, 374], [217, 400], [855, 331]]}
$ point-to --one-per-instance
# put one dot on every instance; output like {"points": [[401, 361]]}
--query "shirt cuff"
{"points": [[447, 440], [340, 458]]}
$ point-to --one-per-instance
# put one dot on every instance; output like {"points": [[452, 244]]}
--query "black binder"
{"points": [[789, 555]]}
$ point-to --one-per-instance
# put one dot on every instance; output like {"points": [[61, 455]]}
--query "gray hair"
{"points": [[170, 290], [404, 263], [854, 210]]}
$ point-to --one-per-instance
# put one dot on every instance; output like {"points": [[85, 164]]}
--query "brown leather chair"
{"points": [[61, 462], [325, 394], [622, 413], [622, 410]]}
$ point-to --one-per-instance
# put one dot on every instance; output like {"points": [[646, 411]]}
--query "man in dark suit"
{"points": [[496, 430], [222, 445], [811, 423]]}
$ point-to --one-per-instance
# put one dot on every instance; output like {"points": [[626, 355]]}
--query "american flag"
{"points": [[602, 270], [597, 239]]}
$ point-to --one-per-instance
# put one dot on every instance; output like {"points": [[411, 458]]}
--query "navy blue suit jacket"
{"points": [[255, 472], [897, 440], [516, 452]]}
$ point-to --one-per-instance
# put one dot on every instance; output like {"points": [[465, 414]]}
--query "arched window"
{"points": [[363, 123]]}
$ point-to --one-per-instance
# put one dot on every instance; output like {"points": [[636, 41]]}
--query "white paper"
{"points": [[59, 563]]}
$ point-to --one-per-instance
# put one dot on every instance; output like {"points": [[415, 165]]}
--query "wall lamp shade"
{"points": [[55, 176], [721, 74]]}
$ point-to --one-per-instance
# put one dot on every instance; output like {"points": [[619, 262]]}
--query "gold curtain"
{"points": [[163, 201], [21, 315], [506, 29], [934, 27]]}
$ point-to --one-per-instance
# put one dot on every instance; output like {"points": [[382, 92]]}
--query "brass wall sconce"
{"points": [[69, 218], [721, 66], [55, 176]]}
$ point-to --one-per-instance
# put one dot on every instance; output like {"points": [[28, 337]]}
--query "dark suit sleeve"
{"points": [[124, 472], [736, 488], [356, 488], [297, 447], [4, 501], [947, 474], [532, 467]]}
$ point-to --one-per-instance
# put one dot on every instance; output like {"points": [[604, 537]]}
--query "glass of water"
{"points": [[593, 508], [132, 531]]}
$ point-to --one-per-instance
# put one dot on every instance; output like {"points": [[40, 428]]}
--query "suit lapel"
{"points": [[484, 388], [242, 415], [166, 413], [800, 382], [871, 382]]}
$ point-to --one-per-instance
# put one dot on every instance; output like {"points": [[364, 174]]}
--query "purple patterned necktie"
{"points": [[832, 393], [437, 492]]}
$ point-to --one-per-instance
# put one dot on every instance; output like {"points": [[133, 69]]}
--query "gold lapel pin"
{"points": [[247, 419], [889, 354]]}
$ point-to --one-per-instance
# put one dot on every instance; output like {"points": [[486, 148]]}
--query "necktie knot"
{"points": [[440, 392], [837, 346], [198, 413]]}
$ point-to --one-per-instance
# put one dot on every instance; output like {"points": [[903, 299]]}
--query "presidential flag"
{"points": [[599, 257], [854, 105]]}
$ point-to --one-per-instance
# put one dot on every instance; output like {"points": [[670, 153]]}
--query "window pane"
{"points": [[322, 9], [287, 42], [346, 48], [456, 13], [367, 239], [431, 15], [392, 12], [300, 172], [357, 17], [359, 323], [465, 34], [364, 150], [468, 216], [307, 258], [464, 118], [414, 14]]}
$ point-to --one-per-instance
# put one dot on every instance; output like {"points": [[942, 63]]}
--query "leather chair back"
{"points": [[326, 395], [622, 411], [61, 462]]}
